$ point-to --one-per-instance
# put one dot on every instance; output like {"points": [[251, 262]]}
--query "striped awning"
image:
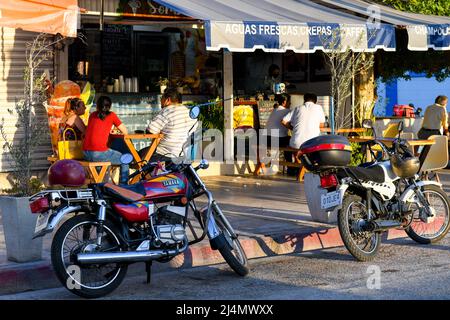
{"points": [[247, 36], [424, 31], [47, 16], [277, 26], [305, 25]]}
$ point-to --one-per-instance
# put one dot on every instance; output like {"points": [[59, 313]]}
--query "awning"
{"points": [[48, 16], [424, 31], [277, 26]]}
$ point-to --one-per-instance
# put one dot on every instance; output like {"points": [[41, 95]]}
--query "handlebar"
{"points": [[397, 144], [145, 169]]}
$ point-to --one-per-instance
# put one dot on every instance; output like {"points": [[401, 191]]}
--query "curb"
{"points": [[40, 275]]}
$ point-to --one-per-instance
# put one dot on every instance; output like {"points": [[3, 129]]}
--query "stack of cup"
{"points": [[135, 84], [121, 84], [128, 85], [116, 85]]}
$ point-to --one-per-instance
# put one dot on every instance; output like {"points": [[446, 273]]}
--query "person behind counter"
{"points": [[435, 119], [95, 144], [272, 79], [73, 109]]}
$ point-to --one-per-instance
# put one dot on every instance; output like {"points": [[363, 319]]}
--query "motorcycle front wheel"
{"points": [[363, 245], [234, 256], [433, 231], [78, 235]]}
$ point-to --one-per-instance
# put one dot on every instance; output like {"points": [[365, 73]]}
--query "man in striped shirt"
{"points": [[174, 123]]}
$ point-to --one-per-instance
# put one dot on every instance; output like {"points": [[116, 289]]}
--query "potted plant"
{"points": [[163, 83], [18, 222]]}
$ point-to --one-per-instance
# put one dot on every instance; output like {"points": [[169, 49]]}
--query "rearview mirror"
{"points": [[367, 123], [126, 158], [194, 112]]}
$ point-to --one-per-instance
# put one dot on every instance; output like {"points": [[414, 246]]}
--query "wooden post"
{"points": [[62, 63], [228, 105]]}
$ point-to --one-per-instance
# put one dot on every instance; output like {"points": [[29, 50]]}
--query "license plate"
{"points": [[42, 221], [331, 199]]}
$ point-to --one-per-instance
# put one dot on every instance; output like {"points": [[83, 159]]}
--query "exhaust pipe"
{"points": [[127, 256], [383, 225]]}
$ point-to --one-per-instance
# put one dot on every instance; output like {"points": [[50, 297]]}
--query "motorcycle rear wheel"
{"points": [[354, 239], [235, 257], [414, 230], [75, 277]]}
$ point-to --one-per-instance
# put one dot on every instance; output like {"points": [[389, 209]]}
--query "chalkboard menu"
{"points": [[116, 51], [265, 108]]}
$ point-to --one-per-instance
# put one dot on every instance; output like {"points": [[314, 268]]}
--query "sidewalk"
{"points": [[269, 213]]}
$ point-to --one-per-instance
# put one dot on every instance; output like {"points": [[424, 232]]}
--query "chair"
{"points": [[437, 157], [391, 131]]}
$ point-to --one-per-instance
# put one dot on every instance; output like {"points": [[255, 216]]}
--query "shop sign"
{"points": [[146, 9]]}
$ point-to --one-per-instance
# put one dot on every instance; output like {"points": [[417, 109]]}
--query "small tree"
{"points": [[345, 66], [19, 151]]}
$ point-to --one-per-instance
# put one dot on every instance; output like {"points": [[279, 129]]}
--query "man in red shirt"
{"points": [[95, 144]]}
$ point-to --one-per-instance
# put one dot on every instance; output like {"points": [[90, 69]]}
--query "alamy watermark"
{"points": [[74, 279], [374, 16], [374, 280]]}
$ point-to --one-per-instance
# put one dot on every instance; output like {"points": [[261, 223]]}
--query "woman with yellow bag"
{"points": [[71, 130], [74, 108]]}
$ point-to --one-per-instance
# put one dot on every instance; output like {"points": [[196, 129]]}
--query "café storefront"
{"points": [[142, 48]]}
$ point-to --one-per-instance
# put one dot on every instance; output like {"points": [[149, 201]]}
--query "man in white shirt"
{"points": [[305, 121]]}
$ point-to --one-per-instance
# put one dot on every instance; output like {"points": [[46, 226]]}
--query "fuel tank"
{"points": [[168, 185]]}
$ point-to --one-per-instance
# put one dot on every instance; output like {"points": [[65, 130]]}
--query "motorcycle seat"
{"points": [[131, 193], [374, 173]]}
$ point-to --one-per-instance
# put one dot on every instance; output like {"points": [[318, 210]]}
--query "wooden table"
{"points": [[138, 136], [388, 141], [350, 130]]}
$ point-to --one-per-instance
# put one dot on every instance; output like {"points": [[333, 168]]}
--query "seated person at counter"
{"points": [[174, 122], [305, 121], [95, 144], [73, 109], [435, 119], [274, 126]]}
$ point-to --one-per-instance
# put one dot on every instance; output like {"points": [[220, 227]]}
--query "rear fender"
{"points": [[342, 190], [55, 219]]}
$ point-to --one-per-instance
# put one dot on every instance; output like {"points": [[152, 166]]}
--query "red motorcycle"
{"points": [[112, 226]]}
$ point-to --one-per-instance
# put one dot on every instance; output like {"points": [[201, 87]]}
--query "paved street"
{"points": [[408, 271]]}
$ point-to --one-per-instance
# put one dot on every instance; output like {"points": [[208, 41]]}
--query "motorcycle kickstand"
{"points": [[148, 268]]}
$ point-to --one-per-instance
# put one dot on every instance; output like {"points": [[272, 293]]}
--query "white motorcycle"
{"points": [[377, 196]]}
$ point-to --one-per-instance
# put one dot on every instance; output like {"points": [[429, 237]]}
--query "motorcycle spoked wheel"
{"points": [[235, 257], [418, 230], [362, 245], [76, 235]]}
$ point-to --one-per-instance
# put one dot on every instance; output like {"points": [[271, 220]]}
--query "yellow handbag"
{"points": [[70, 149]]}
